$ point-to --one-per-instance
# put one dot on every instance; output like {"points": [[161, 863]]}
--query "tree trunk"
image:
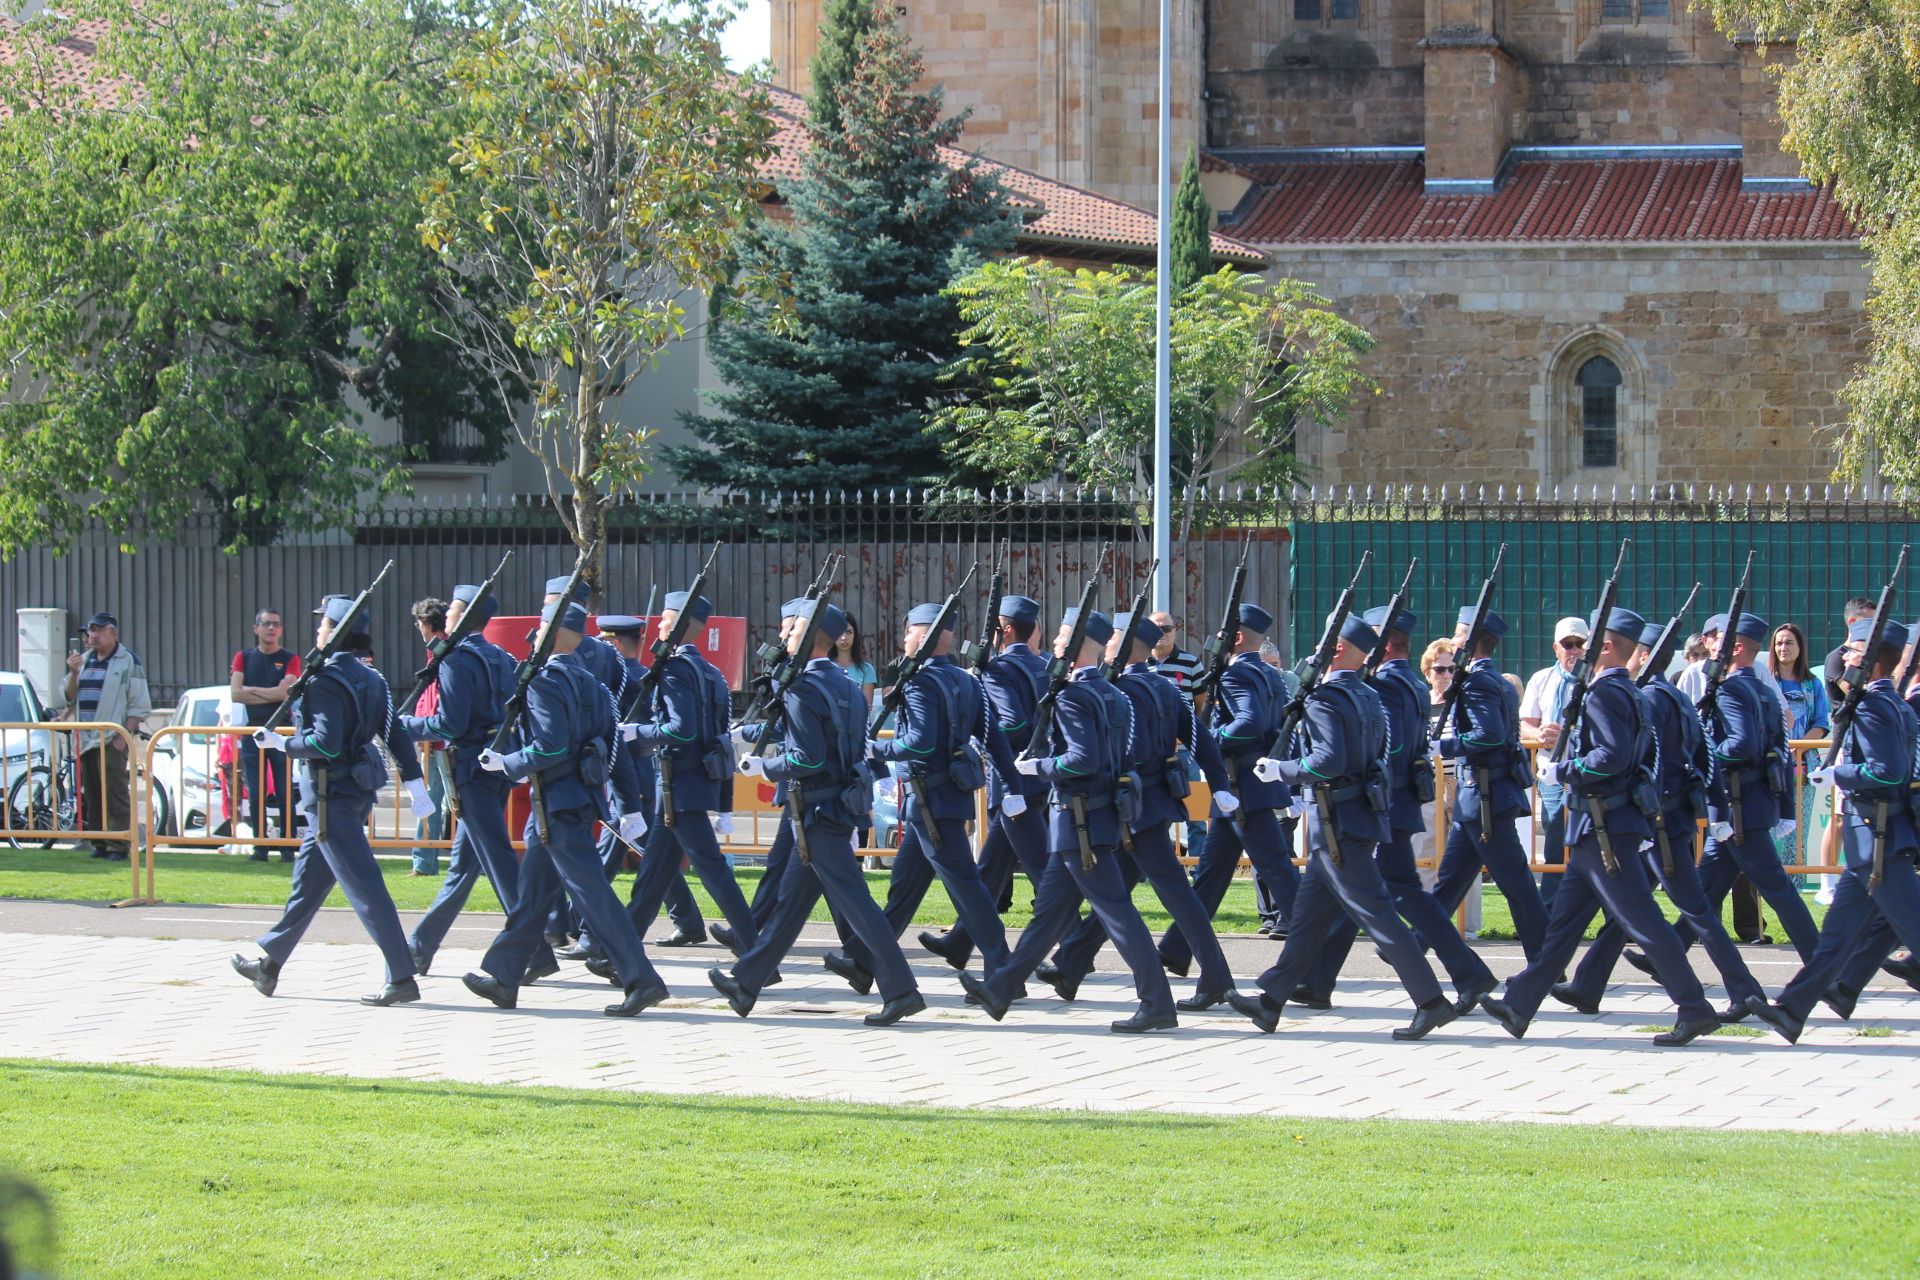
{"points": [[589, 504]]}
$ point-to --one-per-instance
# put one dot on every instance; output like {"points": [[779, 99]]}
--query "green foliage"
{"points": [[844, 28], [608, 164], [207, 254], [1849, 77], [833, 390], [1063, 367], [1191, 241]]}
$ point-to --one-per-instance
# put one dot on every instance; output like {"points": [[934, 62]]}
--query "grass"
{"points": [[170, 1174]]}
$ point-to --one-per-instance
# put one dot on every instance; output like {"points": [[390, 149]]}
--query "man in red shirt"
{"points": [[260, 678]]}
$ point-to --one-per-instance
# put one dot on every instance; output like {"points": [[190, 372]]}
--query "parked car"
{"points": [[26, 755], [187, 776]]}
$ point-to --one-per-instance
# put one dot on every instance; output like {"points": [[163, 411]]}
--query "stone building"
{"points": [[1569, 223]]}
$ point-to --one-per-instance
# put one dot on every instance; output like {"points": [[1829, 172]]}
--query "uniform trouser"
{"points": [[1553, 843], [1348, 889], [344, 858], [1423, 914], [691, 836], [914, 869], [1698, 918], [481, 846], [263, 812], [1063, 888], [1875, 946], [567, 863], [1725, 861], [1850, 921], [1020, 839], [1259, 832], [1627, 898], [106, 765], [835, 871], [766, 896], [1505, 859], [1154, 860]]}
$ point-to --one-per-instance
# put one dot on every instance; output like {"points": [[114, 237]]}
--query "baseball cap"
{"points": [[1571, 627]]}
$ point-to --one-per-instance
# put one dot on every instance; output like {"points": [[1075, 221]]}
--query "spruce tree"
{"points": [[836, 392], [844, 27], [1192, 247]]}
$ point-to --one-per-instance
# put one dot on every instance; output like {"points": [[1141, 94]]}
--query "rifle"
{"points": [[909, 666], [1314, 665], [1111, 670], [543, 643], [1716, 668], [974, 654], [1463, 655], [317, 656], [663, 648], [1577, 701], [1856, 676], [1663, 643], [437, 651], [1060, 669], [1379, 654], [776, 656], [1218, 651], [794, 660]]}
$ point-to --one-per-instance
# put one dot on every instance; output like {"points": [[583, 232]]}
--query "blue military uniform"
{"points": [[1878, 943], [1609, 796], [1407, 702], [1090, 733], [1344, 735], [1246, 708], [345, 710], [1485, 739]]}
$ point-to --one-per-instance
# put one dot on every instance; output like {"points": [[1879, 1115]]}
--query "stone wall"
{"points": [[1733, 356], [1316, 107], [1628, 100]]}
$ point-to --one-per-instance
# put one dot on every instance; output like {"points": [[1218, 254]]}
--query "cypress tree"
{"points": [[1192, 246], [844, 27]]}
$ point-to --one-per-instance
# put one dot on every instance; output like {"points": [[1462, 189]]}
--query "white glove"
{"points": [[268, 740], [1267, 769], [754, 766], [1822, 776], [738, 736], [628, 732], [723, 824], [418, 800], [1784, 828], [1028, 765], [492, 761], [1012, 805], [1549, 775], [1298, 809], [632, 826], [1720, 830], [1228, 803]]}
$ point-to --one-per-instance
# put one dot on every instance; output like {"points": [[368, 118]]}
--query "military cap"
{"points": [[831, 621], [335, 611], [1714, 625], [1896, 635], [1144, 631], [1355, 630], [556, 585], [572, 616], [1627, 623], [1862, 628], [1019, 609], [620, 624], [1650, 634], [1099, 625], [482, 610], [1753, 627], [1254, 618], [326, 601], [798, 607], [1495, 625], [1404, 621], [925, 615], [700, 610]]}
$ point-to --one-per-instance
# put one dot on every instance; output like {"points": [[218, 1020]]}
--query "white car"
{"points": [[186, 766], [22, 751]]}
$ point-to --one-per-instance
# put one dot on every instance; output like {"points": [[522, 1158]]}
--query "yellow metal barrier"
{"points": [[62, 778]]}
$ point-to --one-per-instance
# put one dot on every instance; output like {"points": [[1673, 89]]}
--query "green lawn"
{"points": [[199, 1173]]}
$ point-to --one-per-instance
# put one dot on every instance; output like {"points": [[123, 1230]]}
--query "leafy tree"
{"points": [[835, 388], [610, 163], [1067, 363], [1192, 232], [205, 262], [844, 28]]}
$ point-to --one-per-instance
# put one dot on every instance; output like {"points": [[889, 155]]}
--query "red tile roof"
{"points": [[72, 65], [1547, 200]]}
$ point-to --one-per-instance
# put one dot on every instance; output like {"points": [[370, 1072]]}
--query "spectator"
{"points": [[1183, 668], [1694, 651], [106, 684], [851, 657], [1543, 704], [258, 681], [430, 618], [1438, 667], [1811, 717], [1856, 608]]}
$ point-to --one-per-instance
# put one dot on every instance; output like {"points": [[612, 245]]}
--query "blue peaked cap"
{"points": [[1650, 634], [1099, 626], [482, 610], [1144, 631], [1355, 630], [1254, 618], [1404, 621], [334, 608], [1627, 623], [1495, 627], [556, 585], [1753, 627], [572, 616], [701, 609], [925, 615]]}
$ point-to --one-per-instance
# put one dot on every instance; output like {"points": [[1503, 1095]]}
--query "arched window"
{"points": [[1599, 382]]}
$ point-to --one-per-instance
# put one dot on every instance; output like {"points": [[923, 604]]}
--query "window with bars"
{"points": [[1599, 384], [1631, 11]]}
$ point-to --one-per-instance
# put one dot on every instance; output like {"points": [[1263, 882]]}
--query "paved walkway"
{"points": [[168, 998]]}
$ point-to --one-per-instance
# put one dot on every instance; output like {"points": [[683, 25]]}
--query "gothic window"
{"points": [[1599, 384]]}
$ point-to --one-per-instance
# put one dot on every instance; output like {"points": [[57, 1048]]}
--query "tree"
{"points": [[1067, 363], [1192, 232], [205, 262], [611, 162], [835, 389], [844, 28]]}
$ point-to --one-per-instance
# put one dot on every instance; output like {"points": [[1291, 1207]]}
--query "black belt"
{"points": [[1065, 799], [1609, 803]]}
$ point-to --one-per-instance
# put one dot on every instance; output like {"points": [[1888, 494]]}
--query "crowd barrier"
{"points": [[60, 781]]}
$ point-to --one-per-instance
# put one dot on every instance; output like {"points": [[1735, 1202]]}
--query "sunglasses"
{"points": [[1573, 642], [1443, 671]]}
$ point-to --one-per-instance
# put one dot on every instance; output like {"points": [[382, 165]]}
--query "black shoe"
{"points": [[857, 978], [1779, 1019], [1177, 970], [540, 967], [1019, 994], [602, 967], [723, 935], [739, 999], [1515, 1024], [421, 960], [557, 940], [263, 973], [1841, 1001], [1201, 1001], [638, 999], [983, 996], [682, 938], [1571, 997], [1638, 960], [1735, 1012], [1062, 987], [258, 855], [1686, 1032], [895, 1009], [1433, 1014], [115, 855], [1470, 996], [1307, 998], [1907, 970], [1261, 1008], [393, 993], [488, 987], [578, 951], [1142, 1022], [773, 979], [1266, 930], [944, 948]]}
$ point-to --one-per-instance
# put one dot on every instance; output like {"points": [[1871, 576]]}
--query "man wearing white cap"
{"points": [[1541, 708]]}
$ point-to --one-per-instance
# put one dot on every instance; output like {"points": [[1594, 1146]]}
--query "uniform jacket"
{"points": [[474, 682], [1407, 701], [687, 729], [344, 711], [1163, 721], [1680, 748], [1090, 739], [941, 714], [1344, 732], [825, 738], [1745, 724], [1485, 737], [1247, 709], [1013, 681], [1876, 763], [604, 663], [567, 724], [1615, 737]]}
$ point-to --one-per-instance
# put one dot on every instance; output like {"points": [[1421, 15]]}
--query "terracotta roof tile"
{"points": [[73, 61]]}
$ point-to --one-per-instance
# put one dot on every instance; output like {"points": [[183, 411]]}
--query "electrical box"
{"points": [[43, 636]]}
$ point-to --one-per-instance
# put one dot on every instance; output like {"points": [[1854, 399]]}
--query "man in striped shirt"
{"points": [[1183, 668], [107, 684]]}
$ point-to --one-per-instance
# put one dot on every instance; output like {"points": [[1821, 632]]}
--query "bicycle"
{"points": [[47, 799]]}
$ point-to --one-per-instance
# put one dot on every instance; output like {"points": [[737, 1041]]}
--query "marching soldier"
{"points": [[1607, 821], [1405, 698], [1881, 838], [567, 737], [344, 711], [1344, 733], [766, 896], [1485, 738], [1090, 732], [820, 771]]}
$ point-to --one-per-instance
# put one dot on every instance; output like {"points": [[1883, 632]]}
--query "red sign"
{"points": [[722, 641]]}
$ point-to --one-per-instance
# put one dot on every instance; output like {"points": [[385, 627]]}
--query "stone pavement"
{"points": [[161, 999]]}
